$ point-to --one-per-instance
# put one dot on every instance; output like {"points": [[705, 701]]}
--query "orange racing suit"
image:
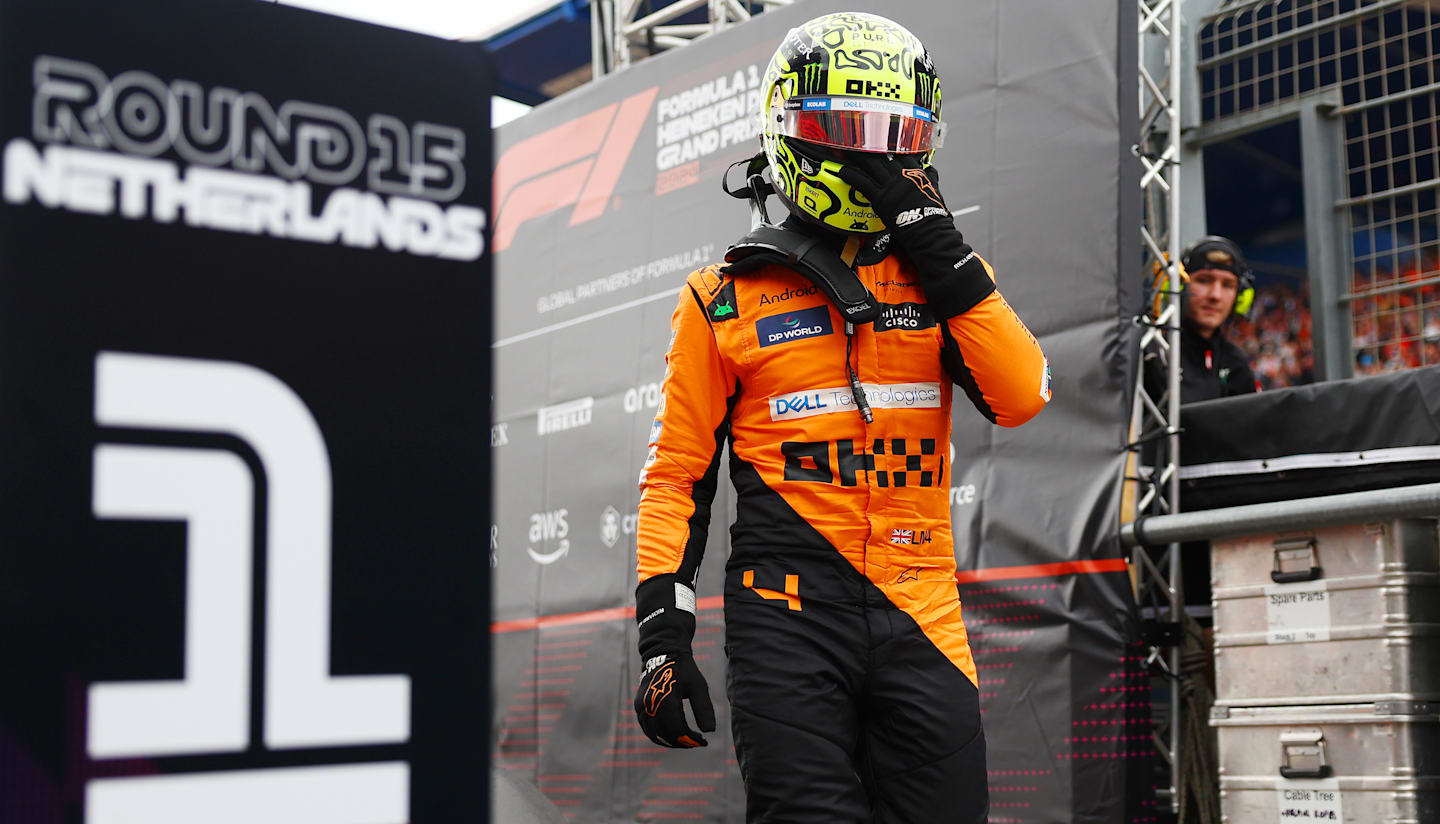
{"points": [[842, 565]]}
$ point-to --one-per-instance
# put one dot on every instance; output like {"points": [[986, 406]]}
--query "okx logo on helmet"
{"points": [[849, 82]]}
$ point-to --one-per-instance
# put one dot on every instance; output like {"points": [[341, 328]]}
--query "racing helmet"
{"points": [[851, 82]]}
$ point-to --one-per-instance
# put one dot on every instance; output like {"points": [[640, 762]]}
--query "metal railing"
{"points": [[623, 30], [1284, 516]]}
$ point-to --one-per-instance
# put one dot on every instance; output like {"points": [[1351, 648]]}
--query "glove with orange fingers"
{"points": [[665, 609]]}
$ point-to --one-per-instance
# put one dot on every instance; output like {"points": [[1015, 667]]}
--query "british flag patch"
{"points": [[902, 536]]}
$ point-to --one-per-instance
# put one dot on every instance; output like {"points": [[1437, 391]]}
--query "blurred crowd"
{"points": [[1395, 330], [1391, 331], [1277, 335]]}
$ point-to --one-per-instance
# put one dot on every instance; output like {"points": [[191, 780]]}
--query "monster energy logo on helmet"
{"points": [[813, 74], [873, 60], [924, 89]]}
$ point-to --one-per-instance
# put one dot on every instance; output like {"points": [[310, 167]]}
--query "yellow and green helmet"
{"points": [[845, 81]]}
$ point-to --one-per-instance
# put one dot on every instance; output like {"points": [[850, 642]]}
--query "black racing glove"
{"points": [[907, 197], [665, 611]]}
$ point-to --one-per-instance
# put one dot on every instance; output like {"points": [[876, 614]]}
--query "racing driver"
{"points": [[851, 684]]}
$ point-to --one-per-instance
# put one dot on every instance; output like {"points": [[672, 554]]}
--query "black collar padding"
{"points": [[810, 257]]}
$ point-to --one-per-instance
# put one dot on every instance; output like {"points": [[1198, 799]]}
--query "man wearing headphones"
{"points": [[1220, 287]]}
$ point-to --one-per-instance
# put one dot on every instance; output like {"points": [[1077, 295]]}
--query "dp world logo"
{"points": [[805, 323], [610, 526]]}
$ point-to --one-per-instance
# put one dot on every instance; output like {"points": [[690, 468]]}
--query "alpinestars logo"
{"points": [[245, 165], [922, 182]]}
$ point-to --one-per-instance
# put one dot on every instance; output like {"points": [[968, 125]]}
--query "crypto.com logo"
{"points": [[576, 162]]}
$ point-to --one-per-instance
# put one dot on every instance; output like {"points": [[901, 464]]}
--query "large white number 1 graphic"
{"points": [[212, 492], [209, 709]]}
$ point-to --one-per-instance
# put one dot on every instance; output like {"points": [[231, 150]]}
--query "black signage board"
{"points": [[244, 391]]}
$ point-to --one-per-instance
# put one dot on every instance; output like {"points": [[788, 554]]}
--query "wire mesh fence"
{"points": [[1383, 57]]}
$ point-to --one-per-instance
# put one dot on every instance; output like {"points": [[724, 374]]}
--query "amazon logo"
{"points": [[547, 528], [576, 163]]}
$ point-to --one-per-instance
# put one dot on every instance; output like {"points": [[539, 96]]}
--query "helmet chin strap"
{"points": [[755, 190]]}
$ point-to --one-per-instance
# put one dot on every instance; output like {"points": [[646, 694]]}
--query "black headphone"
{"points": [[1210, 252]]}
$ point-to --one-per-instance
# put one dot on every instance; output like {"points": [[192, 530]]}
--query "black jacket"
{"points": [[1209, 369]]}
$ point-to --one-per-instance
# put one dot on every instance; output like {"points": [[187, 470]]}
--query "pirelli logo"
{"points": [[839, 399], [569, 415]]}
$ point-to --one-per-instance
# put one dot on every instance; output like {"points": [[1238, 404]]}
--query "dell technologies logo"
{"points": [[840, 399]]}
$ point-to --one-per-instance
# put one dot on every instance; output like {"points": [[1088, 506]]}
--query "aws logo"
{"points": [[578, 162], [546, 527]]}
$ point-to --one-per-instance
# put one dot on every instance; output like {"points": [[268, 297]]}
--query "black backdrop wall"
{"points": [[243, 393], [606, 198]]}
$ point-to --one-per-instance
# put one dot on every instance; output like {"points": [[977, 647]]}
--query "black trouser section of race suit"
{"points": [[842, 710]]}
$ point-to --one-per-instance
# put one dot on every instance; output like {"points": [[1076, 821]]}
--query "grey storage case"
{"points": [[1362, 763], [1341, 615]]}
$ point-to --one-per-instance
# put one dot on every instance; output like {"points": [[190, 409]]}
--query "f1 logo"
{"points": [[208, 710], [576, 162]]}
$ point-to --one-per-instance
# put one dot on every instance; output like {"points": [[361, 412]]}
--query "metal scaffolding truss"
{"points": [[622, 31], [1155, 421]]}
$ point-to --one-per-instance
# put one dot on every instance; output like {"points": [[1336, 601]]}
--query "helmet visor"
{"points": [[862, 124]]}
